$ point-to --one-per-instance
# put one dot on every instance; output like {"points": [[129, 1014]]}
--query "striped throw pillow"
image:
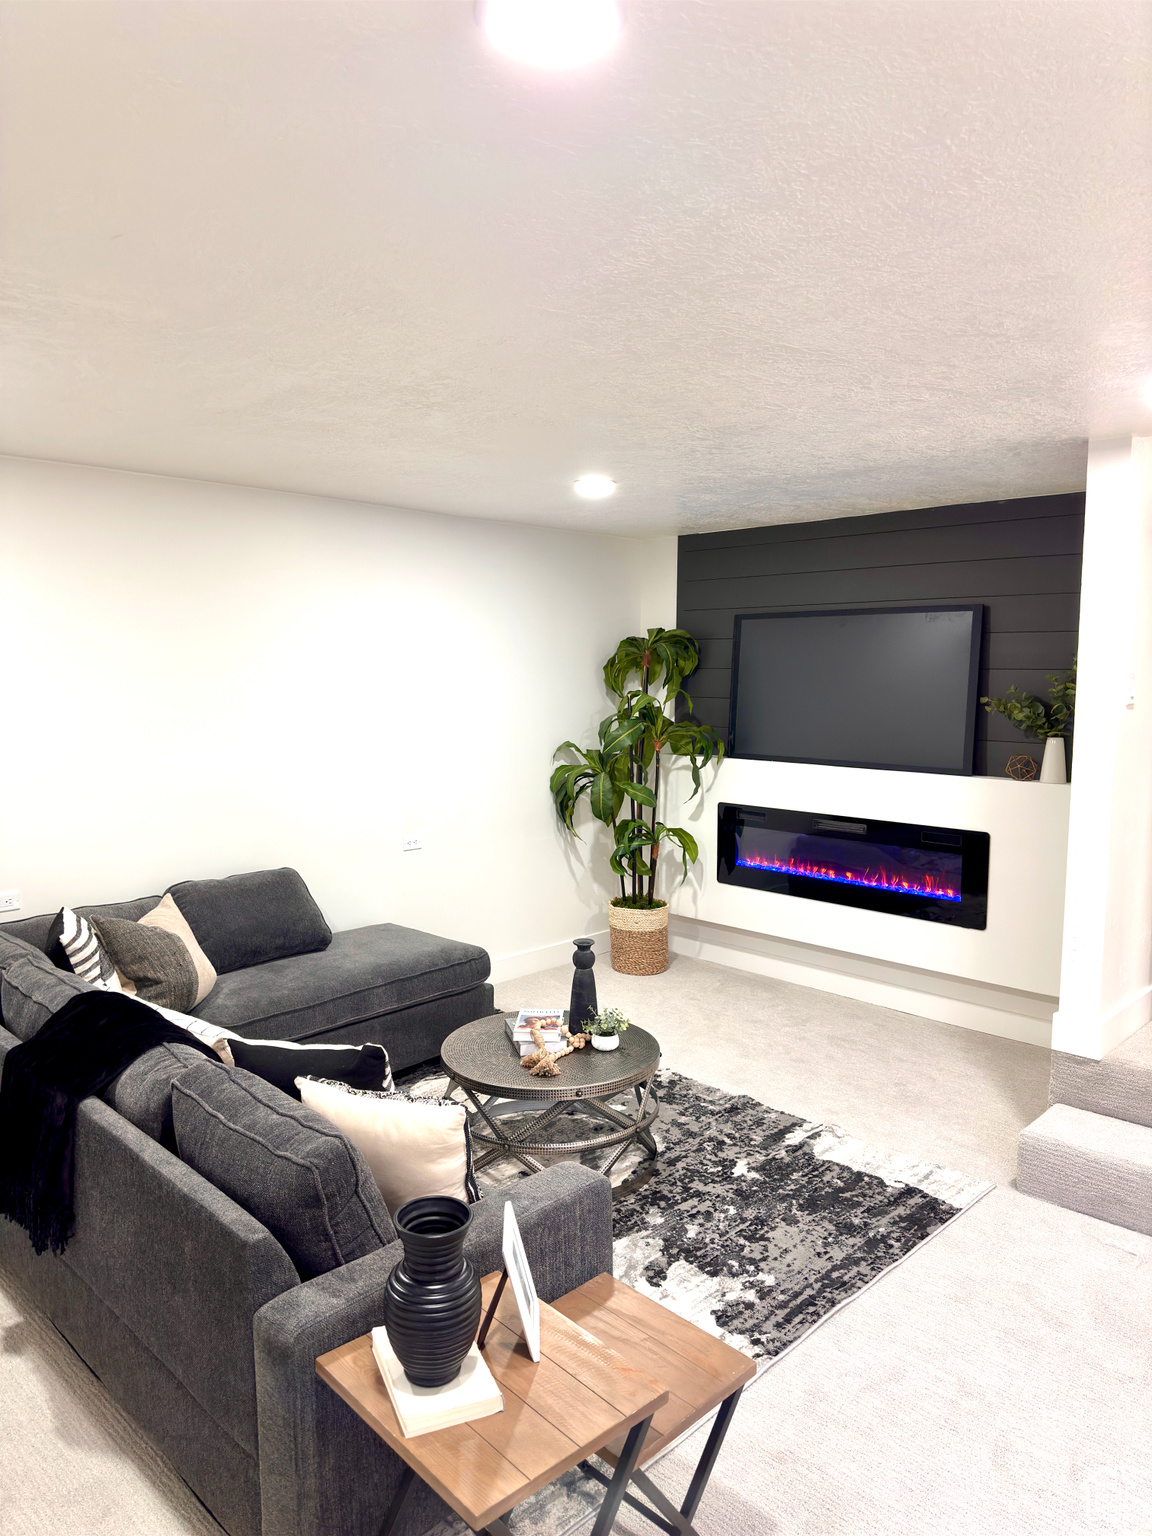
{"points": [[86, 954]]}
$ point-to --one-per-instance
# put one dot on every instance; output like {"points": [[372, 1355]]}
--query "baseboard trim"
{"points": [[526, 962], [1094, 1035], [1023, 1016]]}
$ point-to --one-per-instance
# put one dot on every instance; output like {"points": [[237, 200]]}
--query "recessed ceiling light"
{"points": [[551, 34], [595, 487]]}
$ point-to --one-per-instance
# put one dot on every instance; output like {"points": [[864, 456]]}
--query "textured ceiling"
{"points": [[768, 262]]}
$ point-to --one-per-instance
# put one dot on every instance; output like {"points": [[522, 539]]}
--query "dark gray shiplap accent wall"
{"points": [[1020, 558]]}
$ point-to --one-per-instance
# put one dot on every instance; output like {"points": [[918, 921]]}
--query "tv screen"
{"points": [[859, 687]]}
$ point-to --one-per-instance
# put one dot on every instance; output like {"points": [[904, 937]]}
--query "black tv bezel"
{"points": [[975, 609]]}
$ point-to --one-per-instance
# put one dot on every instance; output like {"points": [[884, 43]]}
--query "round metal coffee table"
{"points": [[482, 1062]]}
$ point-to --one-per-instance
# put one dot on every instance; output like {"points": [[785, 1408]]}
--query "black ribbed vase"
{"points": [[432, 1299]]}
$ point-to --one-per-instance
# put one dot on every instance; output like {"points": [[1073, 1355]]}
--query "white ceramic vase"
{"points": [[605, 1042], [1054, 768]]}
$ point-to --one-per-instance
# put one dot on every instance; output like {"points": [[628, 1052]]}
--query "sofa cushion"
{"points": [[364, 972], [287, 1166], [31, 988], [168, 916], [151, 961], [251, 919], [143, 1092], [37, 930]]}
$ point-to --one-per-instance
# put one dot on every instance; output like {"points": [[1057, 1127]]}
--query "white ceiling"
{"points": [[771, 261]]}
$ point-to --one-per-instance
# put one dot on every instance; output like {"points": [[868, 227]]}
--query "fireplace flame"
{"points": [[880, 880]]}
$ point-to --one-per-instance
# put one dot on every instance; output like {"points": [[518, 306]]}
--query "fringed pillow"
{"points": [[414, 1145]]}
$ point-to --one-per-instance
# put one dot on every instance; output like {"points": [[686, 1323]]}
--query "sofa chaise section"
{"points": [[400, 987], [365, 975]]}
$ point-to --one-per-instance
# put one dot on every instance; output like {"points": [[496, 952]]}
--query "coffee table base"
{"points": [[523, 1140]]}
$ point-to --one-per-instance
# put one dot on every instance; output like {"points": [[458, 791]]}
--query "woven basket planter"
{"points": [[639, 939]]}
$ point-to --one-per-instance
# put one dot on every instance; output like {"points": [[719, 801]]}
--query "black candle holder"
{"points": [[582, 1007]]}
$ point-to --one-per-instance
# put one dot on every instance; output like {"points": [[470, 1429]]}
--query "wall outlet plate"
{"points": [[410, 845], [9, 901]]}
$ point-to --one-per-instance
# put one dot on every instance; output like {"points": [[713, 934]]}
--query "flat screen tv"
{"points": [[857, 687]]}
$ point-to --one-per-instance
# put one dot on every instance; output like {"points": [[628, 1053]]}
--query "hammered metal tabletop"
{"points": [[480, 1056]]}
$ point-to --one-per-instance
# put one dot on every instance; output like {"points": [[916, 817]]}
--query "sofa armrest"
{"points": [[565, 1247], [323, 1472]]}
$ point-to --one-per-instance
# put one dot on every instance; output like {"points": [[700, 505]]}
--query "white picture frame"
{"points": [[520, 1278]]}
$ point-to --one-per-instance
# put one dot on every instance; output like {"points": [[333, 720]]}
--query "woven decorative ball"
{"points": [[1022, 767]]}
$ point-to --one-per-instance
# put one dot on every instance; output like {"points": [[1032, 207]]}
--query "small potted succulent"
{"points": [[606, 1028]]}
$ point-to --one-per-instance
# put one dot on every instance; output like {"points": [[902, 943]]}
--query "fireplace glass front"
{"points": [[939, 874]]}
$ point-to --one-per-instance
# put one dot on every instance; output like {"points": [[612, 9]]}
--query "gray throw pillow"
{"points": [[248, 920], [286, 1165], [155, 961]]}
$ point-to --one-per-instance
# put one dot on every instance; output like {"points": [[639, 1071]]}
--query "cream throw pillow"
{"points": [[414, 1146], [169, 917]]}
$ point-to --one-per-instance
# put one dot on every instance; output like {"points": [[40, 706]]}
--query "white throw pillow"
{"points": [[414, 1146], [214, 1036]]}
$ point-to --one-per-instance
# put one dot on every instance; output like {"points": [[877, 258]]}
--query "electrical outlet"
{"points": [[9, 901], [410, 845]]}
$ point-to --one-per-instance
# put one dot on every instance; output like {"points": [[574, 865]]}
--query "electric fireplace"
{"points": [[938, 874]]}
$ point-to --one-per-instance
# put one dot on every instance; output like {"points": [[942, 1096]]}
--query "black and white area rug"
{"points": [[757, 1226]]}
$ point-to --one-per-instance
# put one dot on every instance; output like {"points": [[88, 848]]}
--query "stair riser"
{"points": [[1120, 1090], [1108, 1188]]}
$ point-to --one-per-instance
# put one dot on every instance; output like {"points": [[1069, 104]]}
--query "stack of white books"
{"points": [[473, 1395], [546, 1020]]}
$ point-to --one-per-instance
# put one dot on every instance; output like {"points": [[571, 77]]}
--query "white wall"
{"points": [[202, 679], [1106, 985]]}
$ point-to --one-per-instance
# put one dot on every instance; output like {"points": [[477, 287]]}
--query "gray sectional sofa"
{"points": [[188, 1308], [406, 989]]}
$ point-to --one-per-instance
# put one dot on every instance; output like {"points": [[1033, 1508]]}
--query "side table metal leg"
{"points": [[606, 1519], [708, 1460], [396, 1508]]}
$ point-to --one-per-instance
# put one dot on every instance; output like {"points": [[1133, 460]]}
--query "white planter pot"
{"points": [[1054, 768], [605, 1042]]}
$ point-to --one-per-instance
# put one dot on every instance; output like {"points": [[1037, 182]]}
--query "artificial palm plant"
{"points": [[622, 776]]}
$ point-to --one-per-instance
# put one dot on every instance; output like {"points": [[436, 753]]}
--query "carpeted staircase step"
{"points": [[1119, 1086], [1089, 1163]]}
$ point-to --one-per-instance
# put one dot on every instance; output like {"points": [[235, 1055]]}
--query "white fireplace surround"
{"points": [[1004, 979]]}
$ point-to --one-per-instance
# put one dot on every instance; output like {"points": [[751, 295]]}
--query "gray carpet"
{"points": [[996, 1383]]}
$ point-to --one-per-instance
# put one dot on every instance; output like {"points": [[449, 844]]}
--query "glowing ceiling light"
{"points": [[551, 34], [594, 487]]}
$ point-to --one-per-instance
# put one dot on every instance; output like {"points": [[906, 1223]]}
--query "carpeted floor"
{"points": [[995, 1383]]}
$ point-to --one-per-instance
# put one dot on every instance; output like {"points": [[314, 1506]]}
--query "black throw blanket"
{"points": [[82, 1048]]}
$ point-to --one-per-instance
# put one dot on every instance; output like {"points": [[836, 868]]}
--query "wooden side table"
{"points": [[700, 1371], [591, 1391]]}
